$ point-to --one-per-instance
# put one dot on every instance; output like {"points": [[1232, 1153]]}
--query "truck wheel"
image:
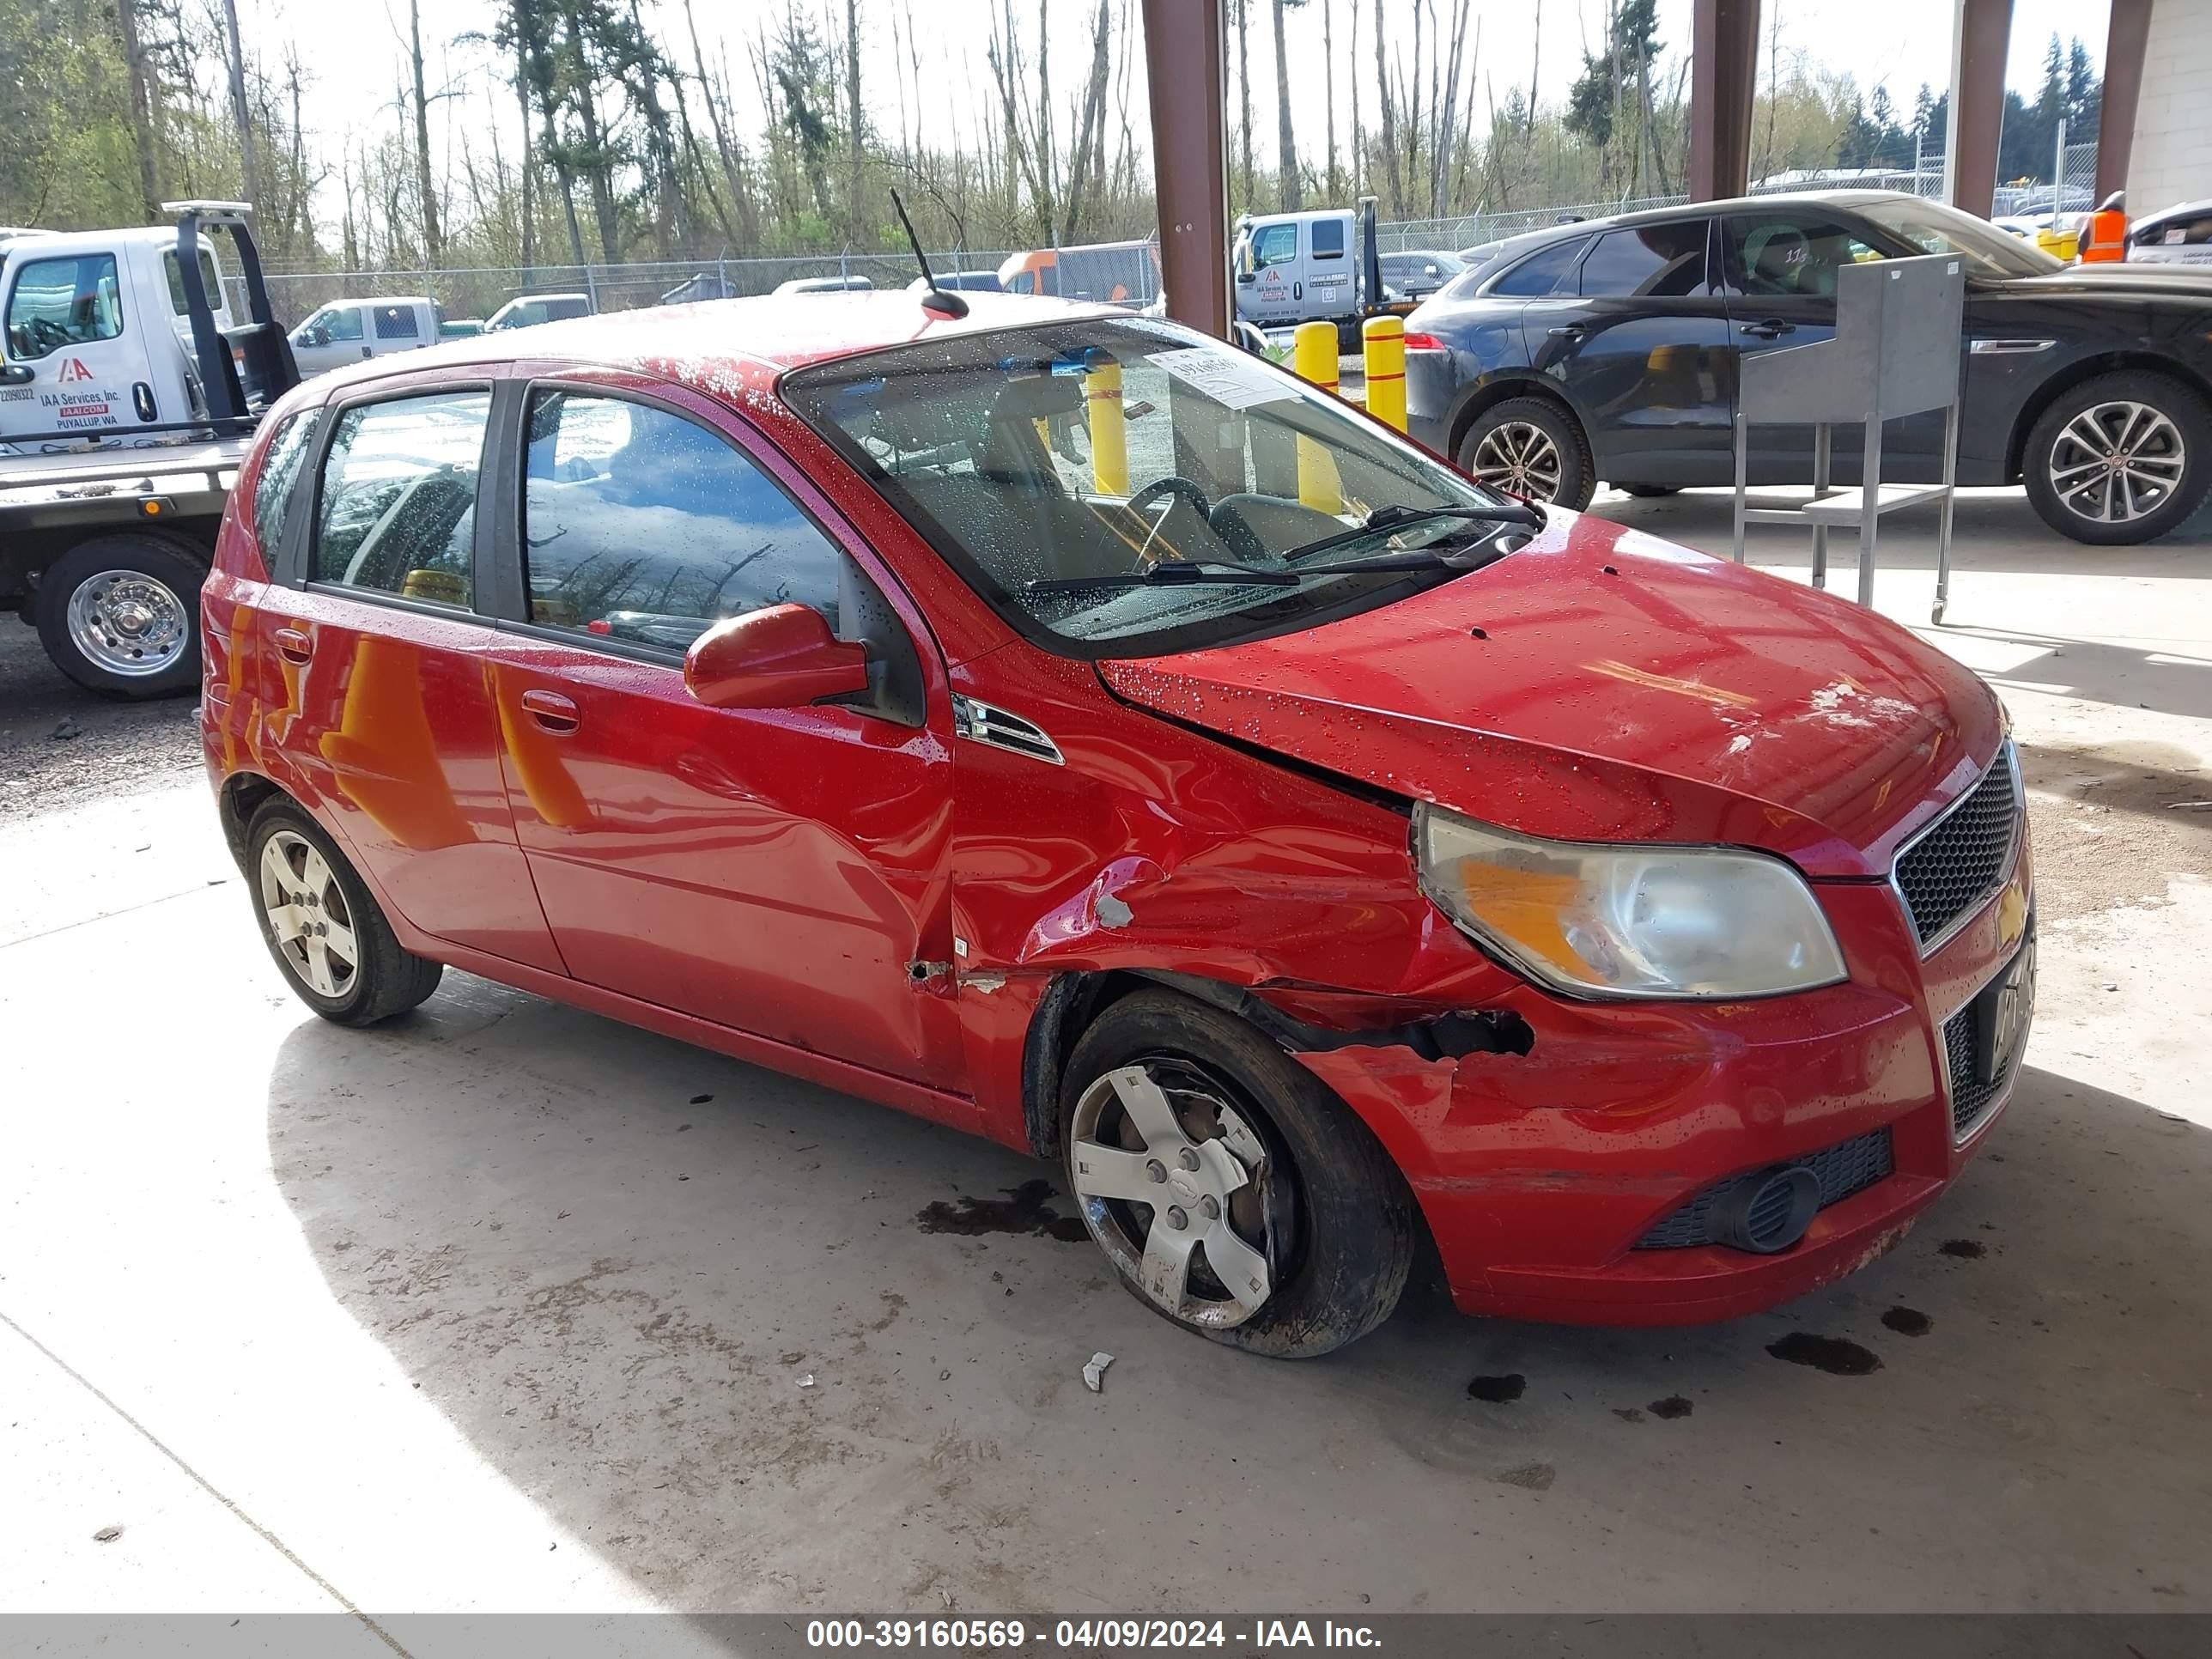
{"points": [[319, 922], [1233, 1193], [120, 615], [2119, 460], [1530, 447]]}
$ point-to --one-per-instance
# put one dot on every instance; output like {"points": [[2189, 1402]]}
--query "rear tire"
{"points": [[1649, 492], [120, 615], [1530, 447], [2159, 434], [323, 926], [1195, 1144]]}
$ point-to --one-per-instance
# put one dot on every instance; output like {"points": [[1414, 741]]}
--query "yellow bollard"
{"points": [[1313, 358], [1384, 340], [1110, 434]]}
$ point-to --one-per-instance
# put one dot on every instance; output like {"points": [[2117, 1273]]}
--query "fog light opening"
{"points": [[1765, 1215]]}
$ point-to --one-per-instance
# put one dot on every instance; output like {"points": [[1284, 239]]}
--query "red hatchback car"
{"points": [[1057, 724]]}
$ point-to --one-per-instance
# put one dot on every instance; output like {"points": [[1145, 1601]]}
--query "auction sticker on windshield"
{"points": [[1231, 378]]}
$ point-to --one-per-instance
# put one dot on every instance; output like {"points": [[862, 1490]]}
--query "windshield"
{"points": [[1111, 447], [1934, 228]]}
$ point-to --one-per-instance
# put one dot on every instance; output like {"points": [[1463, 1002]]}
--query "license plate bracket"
{"points": [[2002, 1013]]}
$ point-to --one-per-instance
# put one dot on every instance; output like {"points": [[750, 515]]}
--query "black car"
{"points": [[1609, 349]]}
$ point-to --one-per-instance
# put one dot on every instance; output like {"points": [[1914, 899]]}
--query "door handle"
{"points": [[292, 644], [1569, 331], [555, 713], [1773, 329]]}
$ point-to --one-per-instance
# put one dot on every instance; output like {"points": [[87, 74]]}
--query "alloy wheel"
{"points": [[2115, 462], [1518, 456], [128, 623], [1179, 1190], [307, 914]]}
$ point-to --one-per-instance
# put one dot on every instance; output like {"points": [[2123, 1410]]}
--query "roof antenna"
{"points": [[942, 302]]}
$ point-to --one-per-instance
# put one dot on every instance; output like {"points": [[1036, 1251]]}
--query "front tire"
{"points": [[2119, 460], [322, 926], [1234, 1194], [1533, 448], [1649, 492]]}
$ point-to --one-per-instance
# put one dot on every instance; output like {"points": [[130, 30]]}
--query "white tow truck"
{"points": [[128, 393]]}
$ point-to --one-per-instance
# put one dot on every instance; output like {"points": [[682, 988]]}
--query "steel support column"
{"points": [[1981, 36], [2127, 38], [1186, 70], [1723, 76]]}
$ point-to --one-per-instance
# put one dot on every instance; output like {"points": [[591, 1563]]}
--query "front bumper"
{"points": [[1539, 1175]]}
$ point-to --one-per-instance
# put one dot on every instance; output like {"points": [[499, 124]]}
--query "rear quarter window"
{"points": [[280, 476], [1541, 272]]}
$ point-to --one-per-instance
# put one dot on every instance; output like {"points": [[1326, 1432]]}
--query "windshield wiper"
{"points": [[1172, 572], [1394, 518], [1416, 558]]}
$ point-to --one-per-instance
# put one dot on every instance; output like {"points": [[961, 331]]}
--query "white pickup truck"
{"points": [[128, 395]]}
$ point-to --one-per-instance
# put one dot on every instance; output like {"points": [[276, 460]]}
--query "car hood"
{"points": [[1602, 685], [2113, 279]]}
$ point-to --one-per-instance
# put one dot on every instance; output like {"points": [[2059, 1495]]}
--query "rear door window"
{"points": [[211, 284], [58, 303], [1328, 238], [280, 471], [397, 510], [1649, 262], [397, 323]]}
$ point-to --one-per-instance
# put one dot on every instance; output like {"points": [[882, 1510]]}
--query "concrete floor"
{"points": [[504, 1307]]}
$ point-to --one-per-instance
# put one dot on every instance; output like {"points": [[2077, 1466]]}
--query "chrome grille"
{"points": [[1850, 1167], [1961, 858]]}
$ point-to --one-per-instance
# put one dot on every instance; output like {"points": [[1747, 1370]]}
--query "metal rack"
{"points": [[1895, 353]]}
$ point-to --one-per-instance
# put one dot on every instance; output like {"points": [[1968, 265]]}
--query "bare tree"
{"points": [[1086, 165], [1385, 117], [434, 248], [1244, 100], [1329, 87], [249, 174], [142, 107], [1286, 147], [855, 125]]}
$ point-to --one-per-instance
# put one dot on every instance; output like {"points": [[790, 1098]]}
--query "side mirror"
{"points": [[782, 657], [16, 375], [1247, 276]]}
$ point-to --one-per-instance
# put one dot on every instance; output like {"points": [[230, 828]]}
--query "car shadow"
{"points": [[768, 1346], [1991, 530]]}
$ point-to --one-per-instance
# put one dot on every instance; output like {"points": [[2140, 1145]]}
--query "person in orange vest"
{"points": [[2107, 240]]}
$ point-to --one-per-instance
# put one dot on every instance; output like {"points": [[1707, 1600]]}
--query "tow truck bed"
{"points": [[76, 487]]}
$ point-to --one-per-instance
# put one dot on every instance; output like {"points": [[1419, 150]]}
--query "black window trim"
{"points": [[300, 532], [505, 581]]}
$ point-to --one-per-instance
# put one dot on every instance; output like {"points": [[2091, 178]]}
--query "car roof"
{"points": [[2179, 210], [713, 342]]}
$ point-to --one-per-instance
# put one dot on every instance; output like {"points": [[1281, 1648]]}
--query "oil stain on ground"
{"points": [[1672, 1407], [1831, 1354], [1497, 1390], [1529, 1477], [1908, 1321], [1968, 1249], [1022, 1210]]}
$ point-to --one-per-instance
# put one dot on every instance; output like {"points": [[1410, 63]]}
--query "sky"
{"points": [[356, 57]]}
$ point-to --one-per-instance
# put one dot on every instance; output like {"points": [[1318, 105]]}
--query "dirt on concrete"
{"points": [[62, 745]]}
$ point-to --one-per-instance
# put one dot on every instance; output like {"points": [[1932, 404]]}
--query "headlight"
{"points": [[1628, 920]]}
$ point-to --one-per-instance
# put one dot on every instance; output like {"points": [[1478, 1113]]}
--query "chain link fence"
{"points": [[477, 292]]}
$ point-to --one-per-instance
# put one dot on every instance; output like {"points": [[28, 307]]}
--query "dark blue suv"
{"points": [[1608, 349]]}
